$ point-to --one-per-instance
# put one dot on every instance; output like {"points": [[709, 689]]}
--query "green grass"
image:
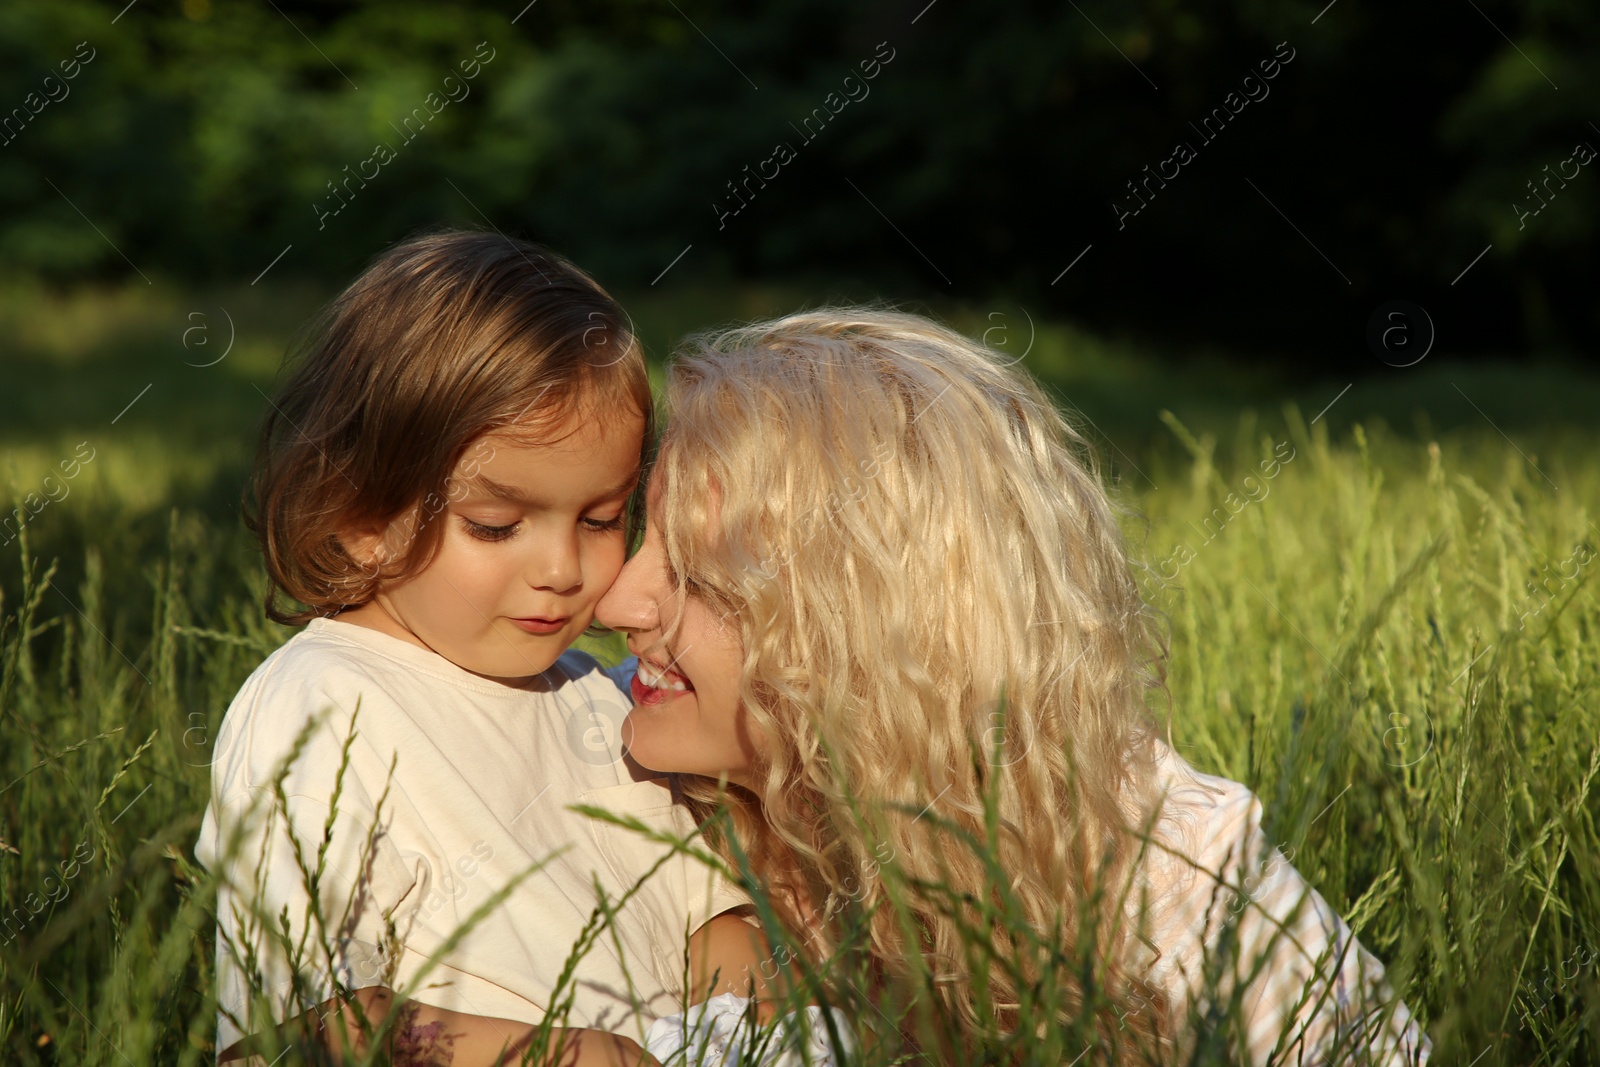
{"points": [[1391, 641]]}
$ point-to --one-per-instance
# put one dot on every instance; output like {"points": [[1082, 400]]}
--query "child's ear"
{"points": [[366, 546]]}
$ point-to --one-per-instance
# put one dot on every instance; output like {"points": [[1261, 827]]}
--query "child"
{"points": [[445, 483], [883, 596]]}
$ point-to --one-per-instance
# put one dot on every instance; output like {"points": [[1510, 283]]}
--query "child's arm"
{"points": [[425, 1036]]}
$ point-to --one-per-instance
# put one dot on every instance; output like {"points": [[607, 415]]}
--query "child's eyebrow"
{"points": [[511, 493], [622, 488]]}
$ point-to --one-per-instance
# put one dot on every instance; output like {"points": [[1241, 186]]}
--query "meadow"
{"points": [[1389, 638]]}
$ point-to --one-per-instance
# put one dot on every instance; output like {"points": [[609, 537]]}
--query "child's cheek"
{"points": [[614, 555]]}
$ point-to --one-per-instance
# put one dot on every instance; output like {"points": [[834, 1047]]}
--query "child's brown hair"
{"points": [[443, 338]]}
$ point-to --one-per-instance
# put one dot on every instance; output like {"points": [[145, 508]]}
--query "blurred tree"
{"points": [[986, 151]]}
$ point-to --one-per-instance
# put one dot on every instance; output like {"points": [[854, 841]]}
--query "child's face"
{"points": [[687, 716], [533, 535]]}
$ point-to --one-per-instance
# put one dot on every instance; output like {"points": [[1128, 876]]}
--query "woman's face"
{"points": [[686, 716]]}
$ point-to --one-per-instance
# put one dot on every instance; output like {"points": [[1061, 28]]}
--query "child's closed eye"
{"points": [[484, 532]]}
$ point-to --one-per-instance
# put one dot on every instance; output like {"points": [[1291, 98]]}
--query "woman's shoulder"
{"points": [[1198, 833], [1217, 879], [1187, 797]]}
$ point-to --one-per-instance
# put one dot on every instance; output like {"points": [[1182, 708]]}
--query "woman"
{"points": [[886, 621]]}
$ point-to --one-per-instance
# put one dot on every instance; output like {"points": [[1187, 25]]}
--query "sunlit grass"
{"points": [[1391, 640]]}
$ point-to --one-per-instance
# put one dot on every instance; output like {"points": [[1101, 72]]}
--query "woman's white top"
{"points": [[1217, 892]]}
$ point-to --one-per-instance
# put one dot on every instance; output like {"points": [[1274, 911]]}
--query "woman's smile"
{"points": [[687, 714], [654, 684]]}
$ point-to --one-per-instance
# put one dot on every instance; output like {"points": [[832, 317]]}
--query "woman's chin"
{"points": [[638, 737], [663, 751]]}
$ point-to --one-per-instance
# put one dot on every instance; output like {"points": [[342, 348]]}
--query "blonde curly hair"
{"points": [[945, 650]]}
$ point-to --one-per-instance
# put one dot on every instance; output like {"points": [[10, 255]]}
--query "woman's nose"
{"points": [[627, 605]]}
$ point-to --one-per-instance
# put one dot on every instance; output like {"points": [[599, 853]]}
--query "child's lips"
{"points": [[541, 625]]}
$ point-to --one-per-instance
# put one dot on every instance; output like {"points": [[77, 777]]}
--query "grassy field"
{"points": [[1390, 639]]}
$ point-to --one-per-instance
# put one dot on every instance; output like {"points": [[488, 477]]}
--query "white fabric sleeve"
{"points": [[725, 1031], [1312, 992], [270, 940]]}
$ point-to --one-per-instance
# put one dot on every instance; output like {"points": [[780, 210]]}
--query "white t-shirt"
{"points": [[1274, 914], [483, 774]]}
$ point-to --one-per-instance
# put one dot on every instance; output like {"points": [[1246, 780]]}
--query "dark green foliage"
{"points": [[981, 159]]}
